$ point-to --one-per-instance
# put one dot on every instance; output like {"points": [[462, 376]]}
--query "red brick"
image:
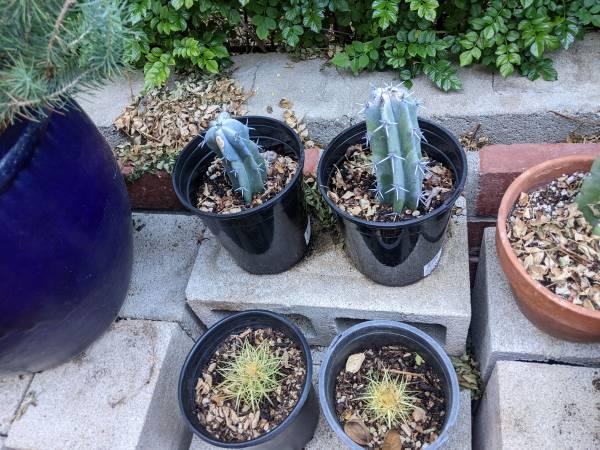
{"points": [[501, 164], [475, 227], [312, 155], [153, 191]]}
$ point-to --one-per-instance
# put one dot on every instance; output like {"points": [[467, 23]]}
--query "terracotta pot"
{"points": [[546, 310]]}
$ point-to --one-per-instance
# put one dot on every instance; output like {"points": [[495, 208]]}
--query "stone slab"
{"points": [[508, 110], [326, 439], [165, 248], [324, 294], [120, 394], [512, 110], [501, 332], [12, 391], [539, 406], [104, 105], [501, 164]]}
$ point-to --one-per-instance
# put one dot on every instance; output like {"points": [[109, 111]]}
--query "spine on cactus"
{"points": [[394, 137], [588, 199], [244, 165]]}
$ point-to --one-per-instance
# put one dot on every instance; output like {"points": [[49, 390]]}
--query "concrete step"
{"points": [[500, 331], [120, 394], [326, 439], [539, 406], [324, 294], [165, 248], [509, 110]]}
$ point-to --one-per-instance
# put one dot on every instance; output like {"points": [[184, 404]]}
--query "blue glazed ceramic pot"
{"points": [[65, 240]]}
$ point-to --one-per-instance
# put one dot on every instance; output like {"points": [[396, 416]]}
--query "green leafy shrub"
{"points": [[410, 36]]}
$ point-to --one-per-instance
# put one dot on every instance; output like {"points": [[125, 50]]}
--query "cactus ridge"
{"points": [[244, 165], [588, 199], [394, 136]]}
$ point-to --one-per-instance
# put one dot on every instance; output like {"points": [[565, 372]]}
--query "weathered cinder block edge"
{"points": [[499, 329], [538, 406], [121, 393], [165, 248], [324, 294]]}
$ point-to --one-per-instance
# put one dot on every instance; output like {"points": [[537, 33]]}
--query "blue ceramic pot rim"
{"points": [[448, 203], [230, 320], [193, 146], [436, 349], [22, 150]]}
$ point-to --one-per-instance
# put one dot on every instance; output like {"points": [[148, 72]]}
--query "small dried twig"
{"points": [[412, 374], [577, 119]]}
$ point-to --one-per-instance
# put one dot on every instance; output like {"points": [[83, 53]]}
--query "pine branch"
{"points": [[57, 26]]}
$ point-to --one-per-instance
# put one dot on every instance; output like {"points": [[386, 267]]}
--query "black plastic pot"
{"points": [[397, 254], [266, 239], [386, 332], [291, 434]]}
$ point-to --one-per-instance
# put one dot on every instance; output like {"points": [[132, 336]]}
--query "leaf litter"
{"points": [[161, 122], [555, 243]]}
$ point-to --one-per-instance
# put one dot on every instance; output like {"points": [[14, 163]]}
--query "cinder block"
{"points": [[121, 394], [12, 391], [324, 294], [165, 248], [539, 406], [500, 331], [326, 439]]}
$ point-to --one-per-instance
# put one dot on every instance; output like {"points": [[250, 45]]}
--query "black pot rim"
{"points": [[448, 203], [453, 381], [193, 146], [299, 404]]}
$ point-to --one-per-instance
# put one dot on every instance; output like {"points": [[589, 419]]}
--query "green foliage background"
{"points": [[409, 36]]}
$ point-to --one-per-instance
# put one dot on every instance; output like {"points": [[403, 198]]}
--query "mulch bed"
{"points": [[425, 385], [555, 243], [216, 195], [352, 188], [218, 414]]}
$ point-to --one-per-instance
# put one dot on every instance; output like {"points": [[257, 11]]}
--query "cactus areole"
{"points": [[394, 137], [244, 165]]}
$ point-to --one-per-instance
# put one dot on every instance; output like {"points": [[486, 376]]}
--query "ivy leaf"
{"points": [[177, 4], [466, 58], [535, 69], [386, 12], [506, 69], [211, 66], [363, 61], [341, 59], [443, 74], [537, 48]]}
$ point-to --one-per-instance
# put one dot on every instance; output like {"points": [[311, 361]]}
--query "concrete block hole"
{"points": [[436, 331]]}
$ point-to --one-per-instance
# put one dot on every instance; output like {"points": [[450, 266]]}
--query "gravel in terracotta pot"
{"points": [[546, 307]]}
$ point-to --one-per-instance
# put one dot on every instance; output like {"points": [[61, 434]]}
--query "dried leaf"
{"points": [[354, 362], [392, 441], [356, 430]]}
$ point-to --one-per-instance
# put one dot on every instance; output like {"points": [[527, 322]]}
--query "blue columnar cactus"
{"points": [[394, 137], [244, 165], [588, 199]]}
